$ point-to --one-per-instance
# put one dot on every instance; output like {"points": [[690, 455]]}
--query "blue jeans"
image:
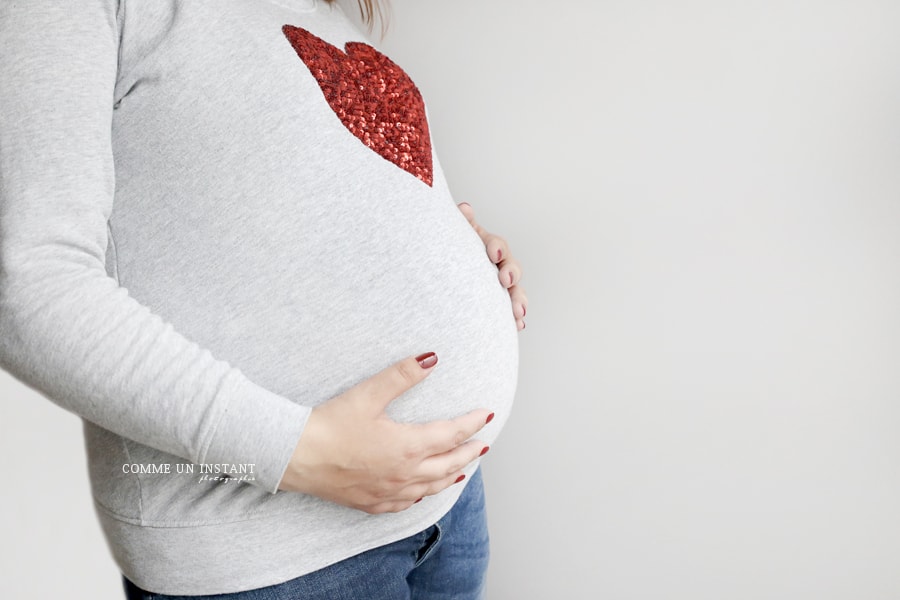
{"points": [[446, 561]]}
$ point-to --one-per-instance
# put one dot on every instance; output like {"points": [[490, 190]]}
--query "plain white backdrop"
{"points": [[706, 198]]}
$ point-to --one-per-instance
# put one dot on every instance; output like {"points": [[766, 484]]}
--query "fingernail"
{"points": [[427, 360], [460, 478], [417, 501], [490, 418], [483, 452], [510, 279], [466, 203], [524, 310], [499, 255]]}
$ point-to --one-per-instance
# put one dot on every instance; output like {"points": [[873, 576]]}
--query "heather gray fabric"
{"points": [[194, 251]]}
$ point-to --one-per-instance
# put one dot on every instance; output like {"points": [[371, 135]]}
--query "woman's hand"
{"points": [[509, 269], [351, 453]]}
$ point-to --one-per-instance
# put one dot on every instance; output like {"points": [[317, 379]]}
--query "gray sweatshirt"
{"points": [[214, 215]]}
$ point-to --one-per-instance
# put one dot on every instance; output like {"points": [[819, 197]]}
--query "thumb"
{"points": [[468, 212], [375, 393]]}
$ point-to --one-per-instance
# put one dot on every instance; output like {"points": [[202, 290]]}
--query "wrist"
{"points": [[298, 476]]}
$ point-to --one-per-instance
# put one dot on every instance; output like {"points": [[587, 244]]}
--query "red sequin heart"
{"points": [[373, 97]]}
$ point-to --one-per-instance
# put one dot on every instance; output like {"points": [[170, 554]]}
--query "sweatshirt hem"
{"points": [[259, 551]]}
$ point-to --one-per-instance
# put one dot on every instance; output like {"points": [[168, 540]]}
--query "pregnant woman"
{"points": [[227, 244]]}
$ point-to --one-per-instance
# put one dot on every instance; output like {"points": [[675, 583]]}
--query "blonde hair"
{"points": [[370, 10]]}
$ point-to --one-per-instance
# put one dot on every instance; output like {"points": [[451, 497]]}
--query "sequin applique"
{"points": [[373, 97]]}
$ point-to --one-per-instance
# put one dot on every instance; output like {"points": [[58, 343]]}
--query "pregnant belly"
{"points": [[391, 289], [326, 295]]}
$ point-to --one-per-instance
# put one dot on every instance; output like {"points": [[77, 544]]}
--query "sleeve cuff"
{"points": [[257, 427]]}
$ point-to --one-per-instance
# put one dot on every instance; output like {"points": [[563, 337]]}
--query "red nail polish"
{"points": [[490, 418], [460, 478], [427, 360], [483, 452], [417, 501]]}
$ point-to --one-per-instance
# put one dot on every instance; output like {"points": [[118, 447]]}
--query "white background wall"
{"points": [[706, 197]]}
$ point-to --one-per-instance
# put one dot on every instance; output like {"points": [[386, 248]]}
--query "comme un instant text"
{"points": [[204, 468]]}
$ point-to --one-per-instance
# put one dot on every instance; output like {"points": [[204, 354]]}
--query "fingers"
{"points": [[437, 474], [436, 469], [438, 437], [443, 478], [497, 249], [439, 486], [468, 212], [496, 246], [375, 393], [510, 272], [519, 301]]}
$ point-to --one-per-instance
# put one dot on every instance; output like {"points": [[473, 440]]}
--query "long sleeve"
{"points": [[67, 329]]}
